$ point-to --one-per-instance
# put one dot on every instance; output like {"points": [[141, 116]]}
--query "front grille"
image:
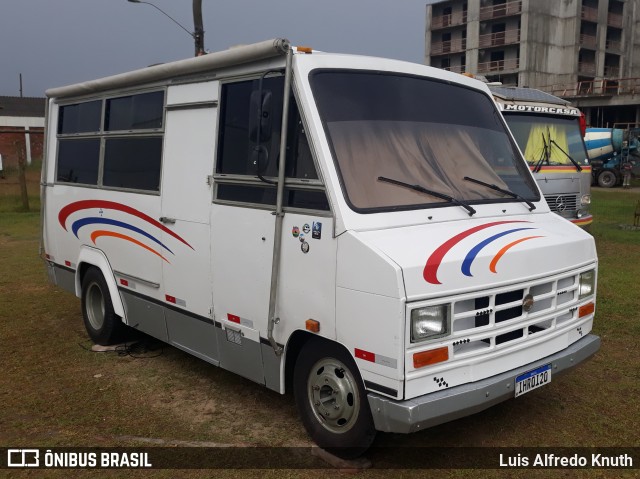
{"points": [[561, 203], [498, 319]]}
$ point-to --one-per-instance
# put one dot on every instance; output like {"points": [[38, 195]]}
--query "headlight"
{"points": [[430, 322], [587, 283], [585, 200]]}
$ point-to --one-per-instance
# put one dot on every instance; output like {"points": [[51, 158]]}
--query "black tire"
{"points": [[331, 399], [607, 179], [102, 323]]}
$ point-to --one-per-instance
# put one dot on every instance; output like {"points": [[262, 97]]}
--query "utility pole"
{"points": [[198, 33]]}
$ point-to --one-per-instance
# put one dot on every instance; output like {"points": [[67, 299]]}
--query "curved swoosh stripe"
{"points": [[85, 204], [97, 234], [430, 273], [107, 221], [471, 255], [496, 258]]}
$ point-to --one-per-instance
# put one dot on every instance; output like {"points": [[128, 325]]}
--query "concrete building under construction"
{"points": [[586, 51]]}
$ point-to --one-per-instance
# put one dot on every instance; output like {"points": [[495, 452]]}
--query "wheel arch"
{"points": [[93, 257], [295, 346]]}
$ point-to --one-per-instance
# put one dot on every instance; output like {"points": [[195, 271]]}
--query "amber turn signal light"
{"points": [[312, 325], [586, 309], [425, 358]]}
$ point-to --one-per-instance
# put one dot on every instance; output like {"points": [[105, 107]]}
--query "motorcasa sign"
{"points": [[541, 109]]}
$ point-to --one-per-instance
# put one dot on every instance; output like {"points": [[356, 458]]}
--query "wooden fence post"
{"points": [[22, 178]]}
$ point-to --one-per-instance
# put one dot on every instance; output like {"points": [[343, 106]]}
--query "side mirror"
{"points": [[260, 124]]}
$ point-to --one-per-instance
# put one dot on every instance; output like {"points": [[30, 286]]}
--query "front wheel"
{"points": [[607, 179], [102, 323], [331, 399]]}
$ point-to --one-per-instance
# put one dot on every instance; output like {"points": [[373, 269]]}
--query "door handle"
{"points": [[167, 221]]}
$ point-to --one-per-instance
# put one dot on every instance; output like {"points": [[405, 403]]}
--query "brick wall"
{"points": [[12, 141]]}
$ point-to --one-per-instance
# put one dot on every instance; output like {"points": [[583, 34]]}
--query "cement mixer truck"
{"points": [[613, 152]]}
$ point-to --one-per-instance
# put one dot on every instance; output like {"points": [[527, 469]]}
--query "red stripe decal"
{"points": [[233, 318], [170, 299], [86, 204], [366, 355], [430, 272]]}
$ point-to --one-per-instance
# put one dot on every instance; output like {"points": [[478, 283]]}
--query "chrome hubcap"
{"points": [[333, 395]]}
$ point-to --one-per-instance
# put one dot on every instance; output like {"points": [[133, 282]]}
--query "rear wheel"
{"points": [[331, 399], [607, 179], [102, 323]]}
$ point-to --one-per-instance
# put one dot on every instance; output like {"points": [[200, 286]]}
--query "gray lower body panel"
{"points": [[192, 335], [460, 401], [145, 316], [62, 277]]}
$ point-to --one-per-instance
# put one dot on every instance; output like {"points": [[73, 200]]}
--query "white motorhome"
{"points": [[362, 230]]}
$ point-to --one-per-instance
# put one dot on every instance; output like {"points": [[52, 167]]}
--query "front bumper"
{"points": [[460, 401]]}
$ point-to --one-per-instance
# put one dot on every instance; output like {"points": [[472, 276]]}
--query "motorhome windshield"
{"points": [[418, 131], [548, 139]]}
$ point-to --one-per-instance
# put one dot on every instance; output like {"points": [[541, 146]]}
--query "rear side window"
{"points": [[112, 142], [78, 161], [80, 118]]}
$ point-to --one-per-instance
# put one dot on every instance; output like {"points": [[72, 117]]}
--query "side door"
{"points": [[189, 151], [243, 229]]}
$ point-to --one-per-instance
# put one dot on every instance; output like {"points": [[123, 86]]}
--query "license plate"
{"points": [[533, 379]]}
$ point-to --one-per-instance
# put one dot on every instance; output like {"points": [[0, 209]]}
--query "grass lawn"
{"points": [[54, 392]]}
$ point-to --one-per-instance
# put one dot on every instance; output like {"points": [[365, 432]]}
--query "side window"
{"points": [[135, 112], [133, 162], [80, 118], [78, 161], [120, 149], [79, 144], [244, 156], [237, 153]]}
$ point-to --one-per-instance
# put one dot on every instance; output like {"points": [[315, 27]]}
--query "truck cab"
{"points": [[548, 132]]}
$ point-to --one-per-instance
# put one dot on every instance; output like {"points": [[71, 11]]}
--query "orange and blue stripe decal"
{"points": [[87, 204], [430, 272], [500, 254], [71, 208], [473, 252], [107, 221]]}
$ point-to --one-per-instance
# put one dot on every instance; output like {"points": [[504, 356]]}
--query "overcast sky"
{"points": [[60, 42]]}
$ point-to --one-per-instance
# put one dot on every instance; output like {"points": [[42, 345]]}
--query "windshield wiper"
{"points": [[422, 189], [575, 163], [502, 190], [545, 155]]}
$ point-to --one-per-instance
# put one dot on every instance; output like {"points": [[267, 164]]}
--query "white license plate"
{"points": [[533, 379]]}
